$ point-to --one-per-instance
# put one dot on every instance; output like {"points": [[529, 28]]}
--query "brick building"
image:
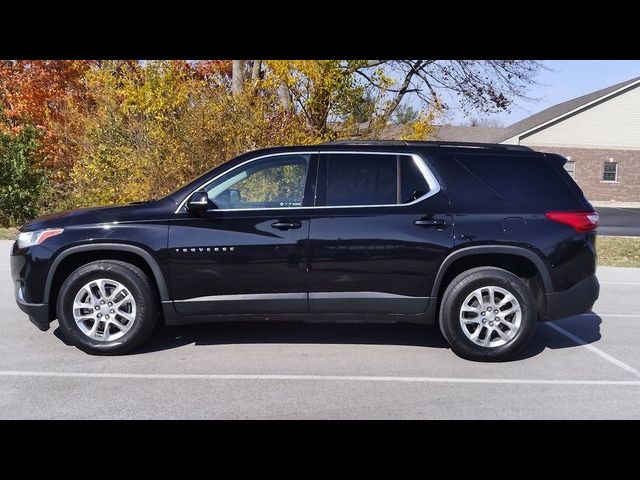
{"points": [[599, 133]]}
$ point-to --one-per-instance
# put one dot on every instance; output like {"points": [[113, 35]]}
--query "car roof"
{"points": [[426, 143], [394, 145]]}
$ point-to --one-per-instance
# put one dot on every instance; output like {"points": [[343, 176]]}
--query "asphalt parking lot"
{"points": [[619, 221], [580, 367]]}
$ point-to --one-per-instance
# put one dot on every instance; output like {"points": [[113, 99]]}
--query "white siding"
{"points": [[614, 123], [512, 141]]}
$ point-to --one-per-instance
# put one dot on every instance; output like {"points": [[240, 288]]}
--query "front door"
{"points": [[377, 245], [248, 252]]}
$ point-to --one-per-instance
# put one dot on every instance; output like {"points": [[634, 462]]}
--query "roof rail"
{"points": [[365, 142], [429, 143], [499, 146]]}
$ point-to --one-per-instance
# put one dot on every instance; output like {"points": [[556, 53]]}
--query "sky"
{"points": [[563, 80]]}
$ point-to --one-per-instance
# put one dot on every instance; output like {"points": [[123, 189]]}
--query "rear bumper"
{"points": [[578, 299]]}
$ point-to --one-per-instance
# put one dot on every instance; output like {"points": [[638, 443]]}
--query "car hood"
{"points": [[130, 212]]}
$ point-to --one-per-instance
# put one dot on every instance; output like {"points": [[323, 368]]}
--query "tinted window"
{"points": [[517, 177], [274, 182], [354, 179], [412, 183]]}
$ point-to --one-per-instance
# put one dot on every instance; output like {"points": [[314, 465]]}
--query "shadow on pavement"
{"points": [[586, 327], [293, 332]]}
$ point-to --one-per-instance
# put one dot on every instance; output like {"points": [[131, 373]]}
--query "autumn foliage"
{"points": [[84, 132], [40, 93]]}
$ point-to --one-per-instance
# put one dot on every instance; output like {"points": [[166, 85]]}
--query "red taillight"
{"points": [[581, 221]]}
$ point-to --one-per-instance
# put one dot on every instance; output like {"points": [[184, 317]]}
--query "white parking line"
{"points": [[595, 350], [335, 378], [619, 283]]}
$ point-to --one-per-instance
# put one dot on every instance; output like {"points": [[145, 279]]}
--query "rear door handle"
{"points": [[286, 225], [429, 222]]}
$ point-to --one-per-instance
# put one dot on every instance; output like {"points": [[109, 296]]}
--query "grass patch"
{"points": [[8, 233], [618, 251]]}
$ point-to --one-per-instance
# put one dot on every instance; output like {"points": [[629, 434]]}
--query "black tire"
{"points": [[453, 298], [133, 279]]}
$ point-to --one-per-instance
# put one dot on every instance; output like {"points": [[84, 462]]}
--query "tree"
{"points": [[213, 70], [237, 80], [485, 86], [156, 125], [320, 91], [21, 181], [137, 142], [405, 115], [364, 108], [485, 122], [325, 90], [39, 93]]}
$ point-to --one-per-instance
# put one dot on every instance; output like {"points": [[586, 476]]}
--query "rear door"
{"points": [[378, 234]]}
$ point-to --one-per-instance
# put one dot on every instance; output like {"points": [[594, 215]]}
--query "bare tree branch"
{"points": [[403, 89], [483, 86]]}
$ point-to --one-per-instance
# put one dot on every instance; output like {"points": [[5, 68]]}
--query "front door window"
{"points": [[274, 182]]}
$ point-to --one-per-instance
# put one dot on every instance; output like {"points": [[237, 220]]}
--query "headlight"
{"points": [[29, 239]]}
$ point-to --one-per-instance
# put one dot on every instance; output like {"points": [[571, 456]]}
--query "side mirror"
{"points": [[199, 202]]}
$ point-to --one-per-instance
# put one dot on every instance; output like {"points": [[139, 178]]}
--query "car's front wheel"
{"points": [[487, 314], [107, 307]]}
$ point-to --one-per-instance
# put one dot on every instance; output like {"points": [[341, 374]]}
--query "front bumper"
{"points": [[27, 274], [38, 312], [578, 299]]}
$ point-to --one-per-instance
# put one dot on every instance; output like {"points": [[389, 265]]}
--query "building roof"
{"points": [[451, 133], [459, 133], [561, 109]]}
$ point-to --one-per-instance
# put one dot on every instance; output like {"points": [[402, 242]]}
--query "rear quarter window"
{"points": [[517, 177]]}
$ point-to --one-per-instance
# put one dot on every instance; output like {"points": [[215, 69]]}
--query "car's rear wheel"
{"points": [[107, 307], [487, 314]]}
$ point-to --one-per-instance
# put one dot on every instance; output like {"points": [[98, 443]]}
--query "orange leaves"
{"points": [[34, 91], [207, 69], [39, 92]]}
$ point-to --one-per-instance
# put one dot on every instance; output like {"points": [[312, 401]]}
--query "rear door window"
{"points": [[413, 185], [355, 179]]}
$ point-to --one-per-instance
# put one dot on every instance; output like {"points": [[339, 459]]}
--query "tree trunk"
{"points": [[255, 71], [285, 96], [237, 77]]}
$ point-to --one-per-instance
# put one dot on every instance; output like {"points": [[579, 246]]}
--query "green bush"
{"points": [[22, 182]]}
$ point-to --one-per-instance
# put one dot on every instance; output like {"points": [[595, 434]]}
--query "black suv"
{"points": [[483, 239]]}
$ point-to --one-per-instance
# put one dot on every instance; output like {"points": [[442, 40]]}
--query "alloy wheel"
{"points": [[104, 310], [490, 316]]}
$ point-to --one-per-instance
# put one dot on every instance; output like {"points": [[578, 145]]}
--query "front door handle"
{"points": [[430, 222], [286, 225]]}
